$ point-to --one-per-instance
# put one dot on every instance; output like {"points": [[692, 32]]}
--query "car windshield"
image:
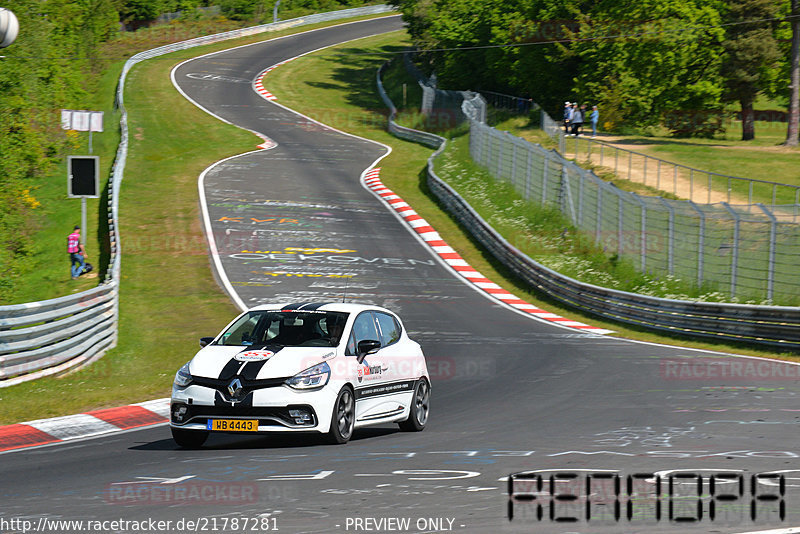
{"points": [[286, 328]]}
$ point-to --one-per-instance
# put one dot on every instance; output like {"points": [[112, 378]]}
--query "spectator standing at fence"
{"points": [[76, 251], [577, 119], [567, 116], [594, 117]]}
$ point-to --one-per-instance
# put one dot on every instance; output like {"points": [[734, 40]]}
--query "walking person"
{"points": [[577, 119], [77, 252], [567, 117], [594, 117]]}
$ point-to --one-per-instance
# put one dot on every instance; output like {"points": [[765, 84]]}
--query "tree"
{"points": [[652, 61], [750, 49], [794, 97], [643, 59], [136, 12]]}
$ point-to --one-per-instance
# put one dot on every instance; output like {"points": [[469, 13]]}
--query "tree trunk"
{"points": [[748, 122], [794, 98]]}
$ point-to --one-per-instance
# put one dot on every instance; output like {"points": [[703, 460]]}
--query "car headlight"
{"points": [[311, 378], [183, 378]]}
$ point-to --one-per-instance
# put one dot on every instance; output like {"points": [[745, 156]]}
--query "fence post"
{"points": [[599, 215], [528, 174], [620, 223], [514, 164], [544, 177], [565, 195], [644, 176], [729, 189], [772, 234], [670, 236], [630, 164], [735, 247], [499, 157], [580, 200], [642, 232], [658, 176], [675, 181], [701, 237]]}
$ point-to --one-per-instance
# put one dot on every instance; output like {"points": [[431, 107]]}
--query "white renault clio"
{"points": [[304, 367]]}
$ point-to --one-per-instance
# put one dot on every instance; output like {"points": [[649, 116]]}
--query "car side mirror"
{"points": [[367, 346], [205, 341]]}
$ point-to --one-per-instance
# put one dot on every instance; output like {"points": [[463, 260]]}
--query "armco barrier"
{"points": [[768, 325], [51, 336]]}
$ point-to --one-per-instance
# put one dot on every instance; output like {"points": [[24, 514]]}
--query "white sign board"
{"points": [[82, 121]]}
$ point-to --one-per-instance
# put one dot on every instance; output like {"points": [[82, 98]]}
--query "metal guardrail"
{"points": [[409, 134], [48, 337], [768, 325]]}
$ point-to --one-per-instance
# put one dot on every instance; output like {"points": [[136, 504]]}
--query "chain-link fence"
{"points": [[745, 251], [683, 181]]}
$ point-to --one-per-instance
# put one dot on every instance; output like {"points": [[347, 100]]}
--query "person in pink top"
{"points": [[77, 253]]}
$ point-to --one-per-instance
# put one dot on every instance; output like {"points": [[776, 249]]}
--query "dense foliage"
{"points": [[45, 70], [62, 50], [645, 63]]}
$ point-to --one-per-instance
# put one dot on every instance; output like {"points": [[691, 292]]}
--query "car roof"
{"points": [[347, 307]]}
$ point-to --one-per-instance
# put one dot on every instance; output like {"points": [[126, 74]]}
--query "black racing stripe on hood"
{"points": [[230, 369], [251, 370]]}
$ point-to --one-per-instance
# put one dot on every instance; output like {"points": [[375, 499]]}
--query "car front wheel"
{"points": [[344, 417], [420, 408], [189, 439]]}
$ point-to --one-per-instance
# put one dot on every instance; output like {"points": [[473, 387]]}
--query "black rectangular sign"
{"points": [[83, 176]]}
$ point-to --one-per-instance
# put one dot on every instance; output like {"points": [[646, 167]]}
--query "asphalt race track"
{"points": [[510, 394]]}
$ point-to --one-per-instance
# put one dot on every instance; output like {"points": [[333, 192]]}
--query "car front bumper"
{"points": [[277, 409]]}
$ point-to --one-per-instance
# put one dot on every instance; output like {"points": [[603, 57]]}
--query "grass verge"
{"points": [[168, 297]]}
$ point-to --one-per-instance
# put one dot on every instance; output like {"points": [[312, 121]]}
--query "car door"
{"points": [[371, 373], [401, 362]]}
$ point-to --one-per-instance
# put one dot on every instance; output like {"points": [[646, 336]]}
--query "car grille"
{"points": [[267, 416]]}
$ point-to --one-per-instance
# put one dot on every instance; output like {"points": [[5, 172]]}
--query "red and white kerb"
{"points": [[458, 264]]}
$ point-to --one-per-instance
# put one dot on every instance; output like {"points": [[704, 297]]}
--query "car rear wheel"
{"points": [[344, 417], [420, 408], [189, 439]]}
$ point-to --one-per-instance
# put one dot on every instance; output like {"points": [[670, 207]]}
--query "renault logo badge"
{"points": [[235, 388]]}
